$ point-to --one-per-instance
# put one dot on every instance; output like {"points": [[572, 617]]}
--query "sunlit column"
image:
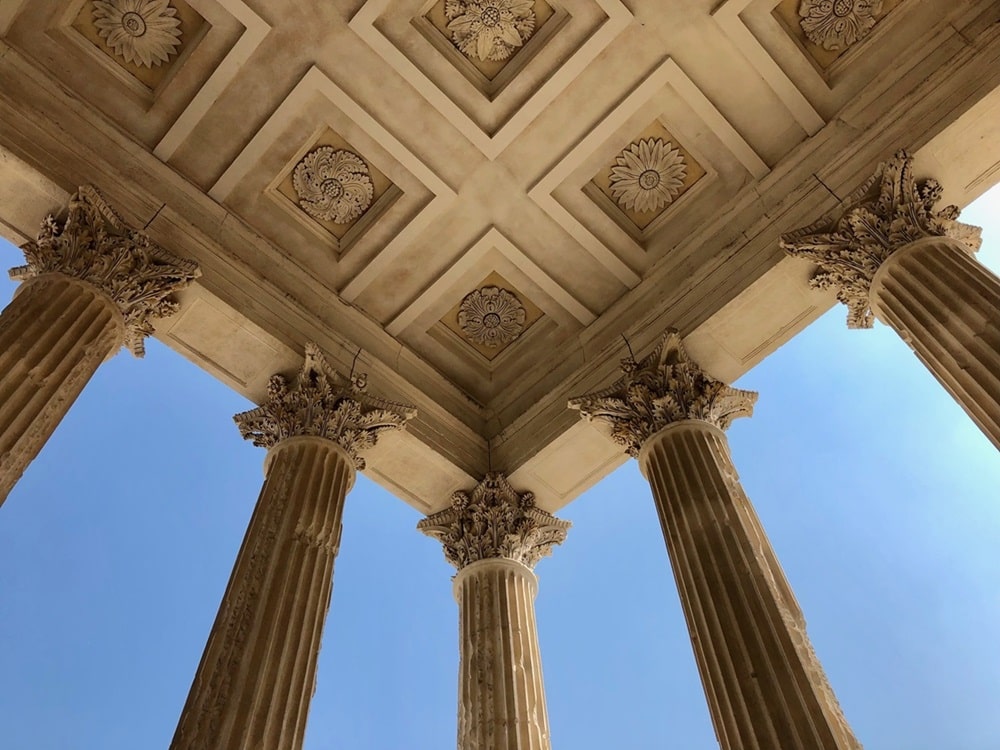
{"points": [[495, 536], [258, 673], [891, 256], [765, 687], [90, 285]]}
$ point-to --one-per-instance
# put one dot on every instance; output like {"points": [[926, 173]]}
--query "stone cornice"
{"points": [[494, 521], [664, 388], [890, 210], [95, 245], [322, 403]]}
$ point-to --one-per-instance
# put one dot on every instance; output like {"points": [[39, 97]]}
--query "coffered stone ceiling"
{"points": [[476, 201]]}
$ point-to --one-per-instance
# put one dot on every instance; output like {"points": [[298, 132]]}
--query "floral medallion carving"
{"points": [[491, 316], [494, 521], [666, 387], [889, 211], [648, 175], [837, 24], [322, 403], [333, 185], [95, 245], [490, 29], [142, 32]]}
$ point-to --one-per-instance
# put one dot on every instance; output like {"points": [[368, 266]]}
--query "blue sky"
{"points": [[879, 495]]}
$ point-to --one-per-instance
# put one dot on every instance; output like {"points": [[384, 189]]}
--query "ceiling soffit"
{"points": [[353, 207], [156, 84]]}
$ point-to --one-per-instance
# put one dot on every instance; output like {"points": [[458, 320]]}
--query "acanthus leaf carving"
{"points": [[665, 387], [95, 245], [837, 24], [891, 210], [494, 521], [333, 185], [322, 403], [491, 316], [490, 29]]}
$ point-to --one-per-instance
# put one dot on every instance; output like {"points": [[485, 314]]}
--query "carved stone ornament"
{"points": [[322, 403], [889, 211], [95, 245], [490, 29], [648, 175], [491, 316], [143, 32], [495, 521], [837, 24], [665, 387], [333, 185]]}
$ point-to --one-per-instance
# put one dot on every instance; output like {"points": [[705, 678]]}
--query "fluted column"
{"points": [[764, 685], [90, 285], [258, 672], [495, 536], [891, 256]]}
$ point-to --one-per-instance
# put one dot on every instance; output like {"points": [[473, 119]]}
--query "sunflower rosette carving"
{"points": [[837, 24], [490, 29], [333, 185], [648, 175], [491, 316], [142, 32]]}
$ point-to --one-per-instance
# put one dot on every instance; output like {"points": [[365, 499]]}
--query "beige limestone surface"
{"points": [[491, 183]]}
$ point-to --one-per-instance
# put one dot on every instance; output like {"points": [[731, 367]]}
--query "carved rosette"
{"points": [[494, 521], [888, 212], [490, 29], [142, 32], [333, 185], [95, 245], [491, 316], [837, 24], [648, 175], [322, 403], [665, 387]]}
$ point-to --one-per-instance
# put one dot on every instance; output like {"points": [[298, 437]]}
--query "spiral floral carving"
{"points": [[333, 185]]}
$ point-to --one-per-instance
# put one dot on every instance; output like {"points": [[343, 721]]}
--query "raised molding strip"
{"points": [[315, 81], [494, 239], [8, 12], [727, 15], [364, 25], [255, 31], [667, 74]]}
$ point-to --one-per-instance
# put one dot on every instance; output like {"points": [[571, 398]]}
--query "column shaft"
{"points": [[764, 684], [53, 337], [501, 691], [258, 673], [946, 305]]}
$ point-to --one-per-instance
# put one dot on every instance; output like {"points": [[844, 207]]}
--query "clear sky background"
{"points": [[881, 498]]}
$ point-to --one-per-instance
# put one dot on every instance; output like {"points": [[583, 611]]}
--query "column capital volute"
{"points": [[889, 211], [321, 403], [494, 521], [664, 388], [93, 244]]}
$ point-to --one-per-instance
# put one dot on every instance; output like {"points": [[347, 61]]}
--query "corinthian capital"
{"points": [[665, 387], [95, 245], [322, 403], [494, 521], [888, 212]]}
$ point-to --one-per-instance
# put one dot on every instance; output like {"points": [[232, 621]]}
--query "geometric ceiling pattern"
{"points": [[476, 200]]}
